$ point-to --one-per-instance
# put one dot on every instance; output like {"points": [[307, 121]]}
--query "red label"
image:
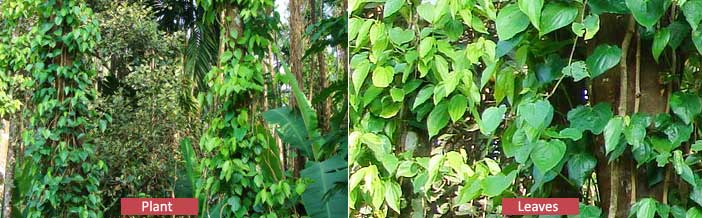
{"points": [[540, 206], [158, 206]]}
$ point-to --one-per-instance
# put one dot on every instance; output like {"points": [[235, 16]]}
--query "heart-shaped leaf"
{"points": [[546, 155], [510, 21], [602, 59]]}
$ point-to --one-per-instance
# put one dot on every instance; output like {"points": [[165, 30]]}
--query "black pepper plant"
{"points": [[458, 104], [51, 40]]}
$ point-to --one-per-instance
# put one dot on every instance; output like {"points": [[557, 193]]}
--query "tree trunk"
{"points": [[324, 105], [626, 180], [296, 44], [4, 147]]}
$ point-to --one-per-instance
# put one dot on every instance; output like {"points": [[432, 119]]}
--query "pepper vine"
{"points": [[62, 178]]}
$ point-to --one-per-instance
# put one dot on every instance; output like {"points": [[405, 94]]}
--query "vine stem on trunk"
{"points": [[623, 86]]}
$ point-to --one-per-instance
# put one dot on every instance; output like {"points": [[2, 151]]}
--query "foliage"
{"points": [[60, 174], [236, 146], [453, 100], [146, 93]]}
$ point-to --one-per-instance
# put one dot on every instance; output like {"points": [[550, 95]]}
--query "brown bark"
{"points": [[324, 106], [296, 26]]}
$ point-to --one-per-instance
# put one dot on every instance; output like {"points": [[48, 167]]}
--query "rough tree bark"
{"points": [[296, 43]]}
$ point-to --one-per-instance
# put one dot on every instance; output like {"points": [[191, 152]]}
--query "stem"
{"points": [[623, 85]]}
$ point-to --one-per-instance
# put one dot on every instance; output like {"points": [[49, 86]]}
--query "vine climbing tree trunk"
{"points": [[621, 182]]}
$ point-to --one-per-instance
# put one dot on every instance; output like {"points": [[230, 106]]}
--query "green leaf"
{"points": [[469, 191], [580, 167], [646, 208], [635, 132], [192, 167], [555, 16], [593, 119], [291, 128], [359, 74], [457, 107], [532, 8], [397, 95], [383, 76], [577, 70], [590, 211], [546, 155], [536, 114], [510, 21], [683, 169], [425, 46], [678, 32], [693, 212], [592, 26], [442, 66], [692, 10], [504, 84], [400, 36], [571, 133], [427, 12], [406, 169], [393, 193], [660, 41], [608, 6], [602, 59], [687, 106], [423, 95], [495, 185], [438, 118], [697, 39], [491, 119], [647, 12], [612, 133], [326, 176], [392, 6]]}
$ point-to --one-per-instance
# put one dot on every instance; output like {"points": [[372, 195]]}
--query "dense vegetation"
{"points": [[458, 104], [103, 100]]}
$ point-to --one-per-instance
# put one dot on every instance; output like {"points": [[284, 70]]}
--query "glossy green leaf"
{"points": [[593, 119], [423, 95], [646, 208], [536, 114], [692, 10], [504, 85], [635, 132], [510, 21], [359, 74], [400, 36], [425, 46], [602, 59], [556, 15], [647, 12], [457, 107], [608, 6], [427, 12], [590, 211], [612, 133], [491, 119], [393, 193], [469, 191], [683, 169], [697, 39], [397, 95], [532, 8], [494, 185], [687, 106], [660, 41], [438, 118], [580, 167], [546, 155], [383, 76], [392, 6]]}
